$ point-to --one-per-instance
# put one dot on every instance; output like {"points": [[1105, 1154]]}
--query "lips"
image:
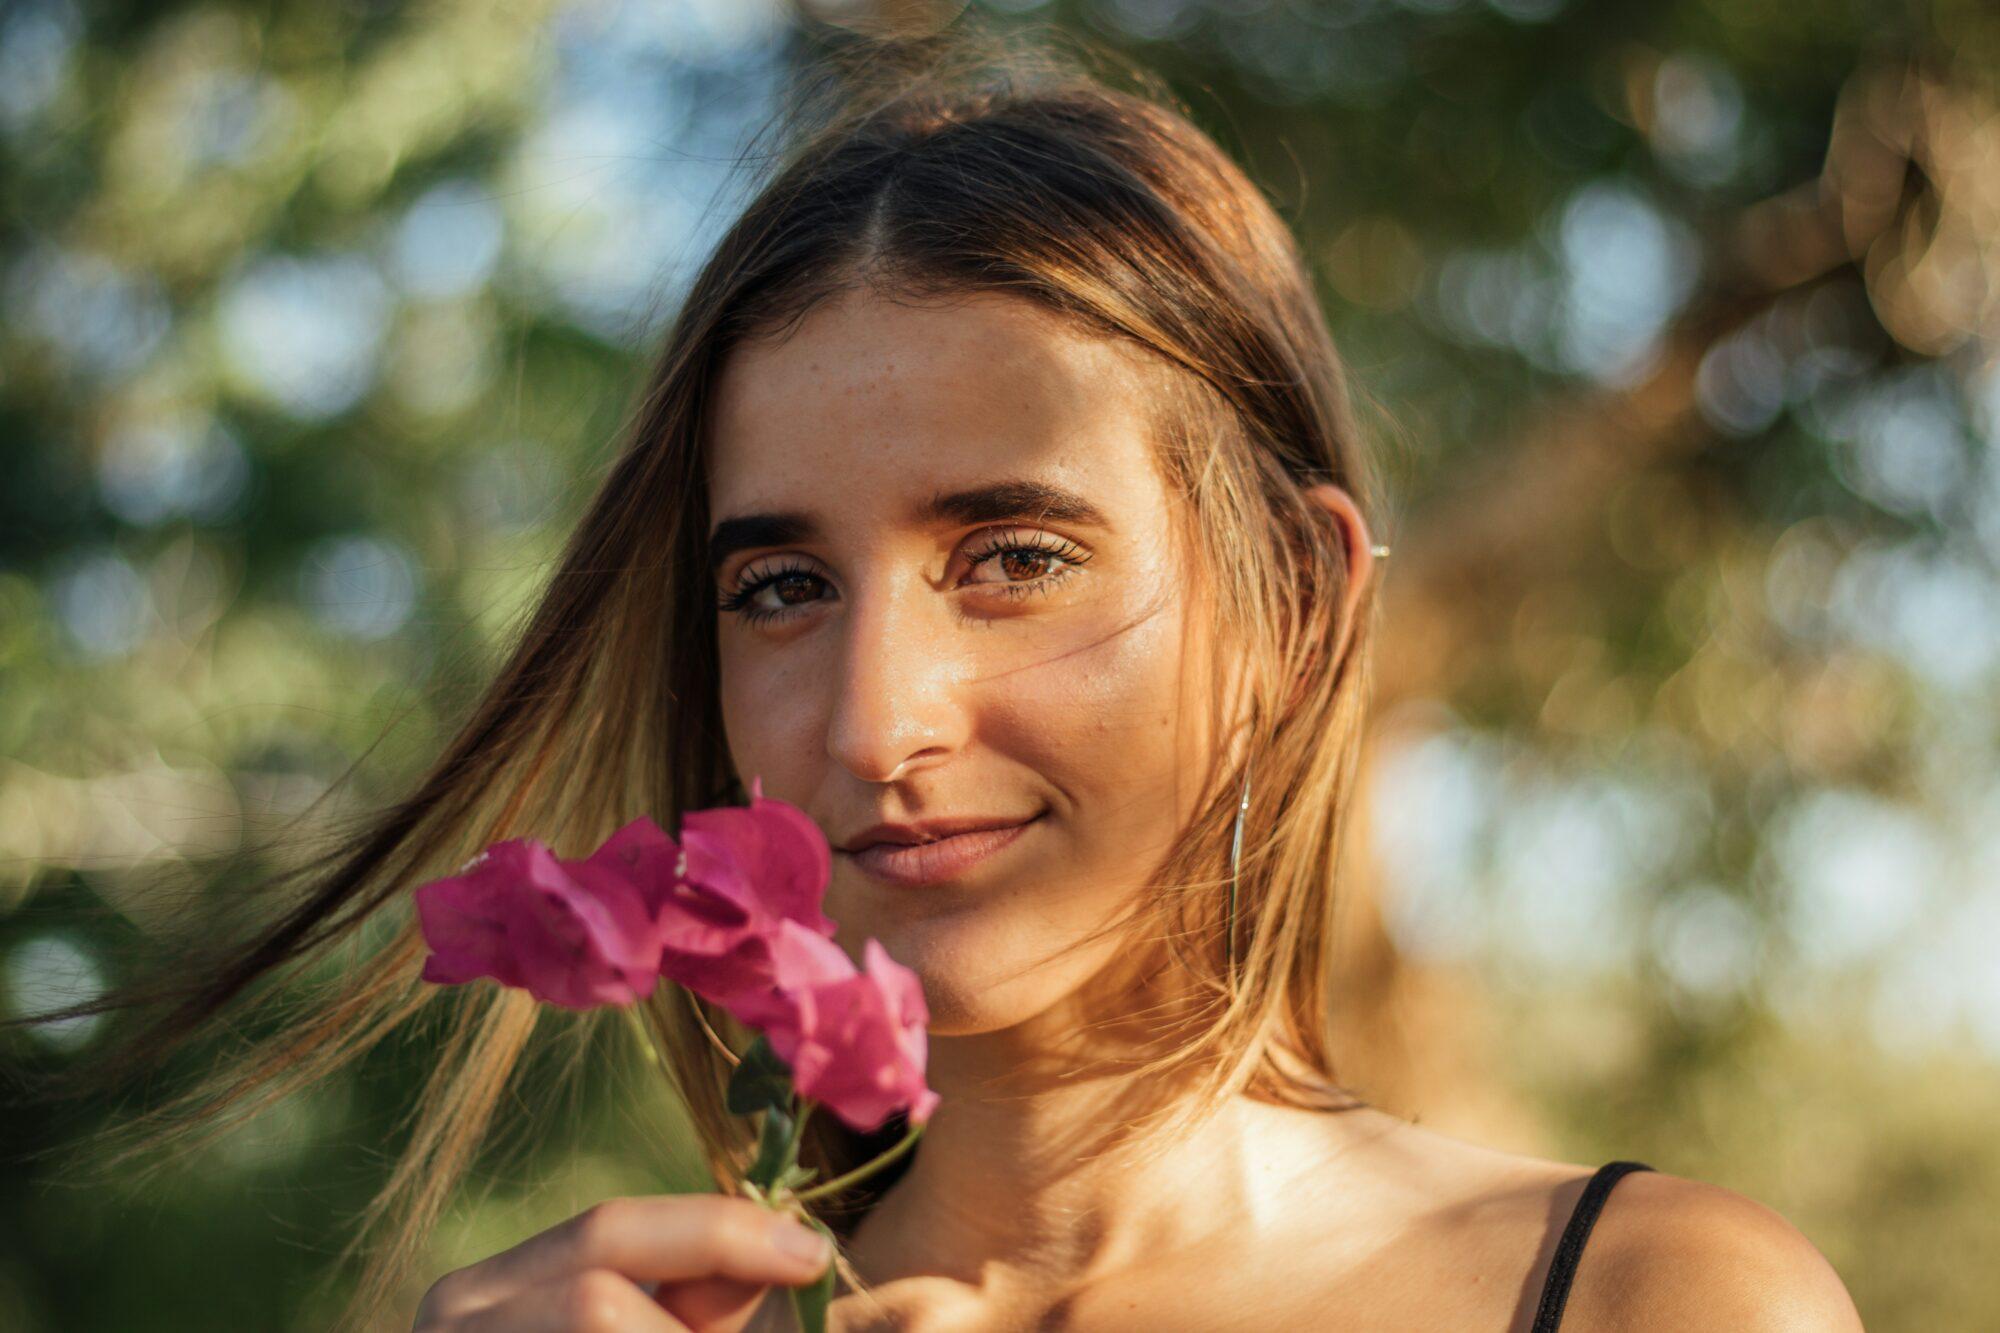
{"points": [[930, 830], [937, 860]]}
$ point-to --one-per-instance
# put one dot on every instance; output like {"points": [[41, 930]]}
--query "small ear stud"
{"points": [[1380, 552]]}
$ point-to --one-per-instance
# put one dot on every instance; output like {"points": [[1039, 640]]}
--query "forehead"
{"points": [[870, 398]]}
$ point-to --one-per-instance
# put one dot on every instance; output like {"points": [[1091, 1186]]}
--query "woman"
{"points": [[998, 501]]}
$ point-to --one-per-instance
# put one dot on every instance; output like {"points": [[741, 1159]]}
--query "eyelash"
{"points": [[1073, 556]]}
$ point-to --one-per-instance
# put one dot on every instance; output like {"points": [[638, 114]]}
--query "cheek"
{"points": [[1096, 729], [1094, 721], [774, 724], [1112, 722]]}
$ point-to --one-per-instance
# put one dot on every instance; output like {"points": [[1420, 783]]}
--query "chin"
{"points": [[952, 959], [962, 1011], [965, 978], [979, 977], [984, 954]]}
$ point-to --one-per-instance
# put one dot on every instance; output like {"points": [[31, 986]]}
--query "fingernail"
{"points": [[801, 1243]]}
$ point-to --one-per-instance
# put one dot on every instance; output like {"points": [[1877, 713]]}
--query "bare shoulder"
{"points": [[1673, 1253], [1666, 1253]]}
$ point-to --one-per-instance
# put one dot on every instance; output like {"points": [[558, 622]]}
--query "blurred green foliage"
{"points": [[1676, 324]]}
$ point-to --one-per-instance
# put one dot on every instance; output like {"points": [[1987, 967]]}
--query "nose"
{"points": [[895, 686]]}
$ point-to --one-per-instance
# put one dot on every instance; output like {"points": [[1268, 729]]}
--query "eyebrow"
{"points": [[1038, 501]]}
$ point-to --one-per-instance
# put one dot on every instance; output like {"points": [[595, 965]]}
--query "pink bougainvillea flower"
{"points": [[855, 1038], [604, 929], [732, 912], [574, 933], [800, 959], [744, 871]]}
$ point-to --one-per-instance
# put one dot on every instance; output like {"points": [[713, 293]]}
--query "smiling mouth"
{"points": [[939, 859]]}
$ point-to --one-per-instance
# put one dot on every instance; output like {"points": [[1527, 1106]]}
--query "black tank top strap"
{"points": [[1562, 1268]]}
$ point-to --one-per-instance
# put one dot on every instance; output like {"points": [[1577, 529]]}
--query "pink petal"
{"points": [[694, 919], [571, 933], [619, 927], [802, 957], [721, 977], [798, 863], [644, 855], [899, 983], [852, 1050], [465, 917], [796, 960], [770, 858]]}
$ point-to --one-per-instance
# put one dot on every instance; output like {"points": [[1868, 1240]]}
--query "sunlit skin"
{"points": [[912, 671], [904, 669]]}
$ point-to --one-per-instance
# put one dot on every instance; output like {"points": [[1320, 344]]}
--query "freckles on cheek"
{"points": [[764, 702], [1122, 686], [1095, 716]]}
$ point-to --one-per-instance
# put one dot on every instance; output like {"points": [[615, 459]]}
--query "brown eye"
{"points": [[792, 585], [1024, 564]]}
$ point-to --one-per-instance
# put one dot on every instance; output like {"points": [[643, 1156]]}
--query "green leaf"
{"points": [[761, 1080], [774, 1150], [809, 1302]]}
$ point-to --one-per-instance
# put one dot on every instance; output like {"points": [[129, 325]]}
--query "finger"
{"points": [[662, 1238], [711, 1304], [595, 1300]]}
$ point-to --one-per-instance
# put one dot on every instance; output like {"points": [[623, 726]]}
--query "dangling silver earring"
{"points": [[1235, 860]]}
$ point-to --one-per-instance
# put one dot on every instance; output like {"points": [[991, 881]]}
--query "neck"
{"points": [[1033, 1171]]}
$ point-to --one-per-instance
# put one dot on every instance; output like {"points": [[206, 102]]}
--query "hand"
{"points": [[711, 1255]]}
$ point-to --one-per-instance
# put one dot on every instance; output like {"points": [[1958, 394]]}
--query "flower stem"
{"points": [[802, 1109], [714, 1037], [862, 1172]]}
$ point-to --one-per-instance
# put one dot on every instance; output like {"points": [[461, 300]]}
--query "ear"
{"points": [[1359, 546]]}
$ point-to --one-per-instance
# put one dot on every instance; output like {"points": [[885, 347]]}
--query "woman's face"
{"points": [[951, 593]]}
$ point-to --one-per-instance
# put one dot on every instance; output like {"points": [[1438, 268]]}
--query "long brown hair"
{"points": [[933, 167]]}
